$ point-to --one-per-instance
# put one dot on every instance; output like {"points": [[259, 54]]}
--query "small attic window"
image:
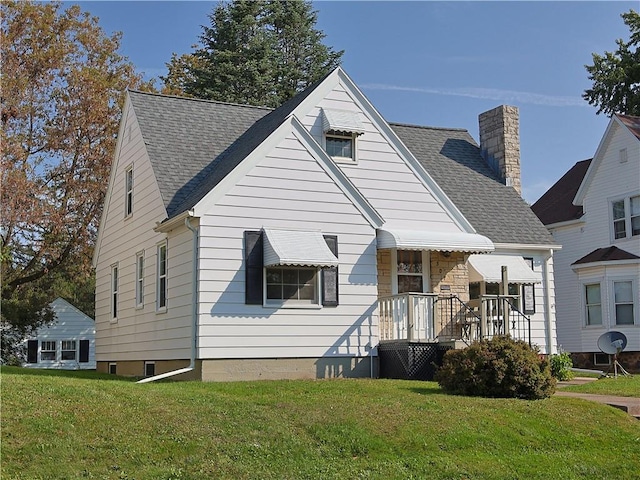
{"points": [[623, 155], [341, 129]]}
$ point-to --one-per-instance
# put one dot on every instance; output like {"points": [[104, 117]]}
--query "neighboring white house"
{"points": [[241, 242], [593, 211], [68, 343]]}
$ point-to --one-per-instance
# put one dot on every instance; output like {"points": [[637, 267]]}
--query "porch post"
{"points": [[410, 308]]}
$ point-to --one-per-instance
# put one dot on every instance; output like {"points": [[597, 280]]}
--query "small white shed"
{"points": [[68, 343]]}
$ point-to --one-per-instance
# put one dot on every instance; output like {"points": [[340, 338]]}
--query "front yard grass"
{"points": [[69, 425], [622, 386]]}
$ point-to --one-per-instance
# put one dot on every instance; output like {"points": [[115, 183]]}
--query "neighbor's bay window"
{"points": [[624, 302], [593, 303]]}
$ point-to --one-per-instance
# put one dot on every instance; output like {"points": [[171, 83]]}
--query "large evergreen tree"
{"points": [[258, 52], [616, 75]]}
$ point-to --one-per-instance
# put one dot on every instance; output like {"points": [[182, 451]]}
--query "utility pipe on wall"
{"points": [[194, 312]]}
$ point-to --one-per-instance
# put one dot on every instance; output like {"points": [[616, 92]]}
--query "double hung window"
{"points": [[623, 302], [128, 201], [48, 350], [626, 217], [593, 304], [68, 350], [410, 278]]}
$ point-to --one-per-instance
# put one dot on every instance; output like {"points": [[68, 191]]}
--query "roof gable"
{"points": [[630, 125], [556, 205], [453, 159]]}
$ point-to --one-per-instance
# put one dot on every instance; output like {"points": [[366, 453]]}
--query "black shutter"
{"points": [[32, 351], [330, 276], [84, 351], [253, 267]]}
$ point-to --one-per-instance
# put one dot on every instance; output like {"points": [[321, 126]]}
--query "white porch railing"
{"points": [[407, 317], [432, 317]]}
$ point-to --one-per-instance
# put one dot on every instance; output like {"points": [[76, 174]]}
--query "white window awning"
{"points": [[341, 121], [488, 268], [428, 240], [296, 248]]}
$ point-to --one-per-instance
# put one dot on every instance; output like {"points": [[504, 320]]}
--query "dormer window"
{"points": [[341, 129]]}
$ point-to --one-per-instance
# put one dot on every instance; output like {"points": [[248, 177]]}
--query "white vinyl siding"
{"points": [[140, 333], [612, 181], [288, 189]]}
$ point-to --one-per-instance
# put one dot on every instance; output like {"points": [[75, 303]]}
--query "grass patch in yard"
{"points": [[77, 426], [623, 386]]}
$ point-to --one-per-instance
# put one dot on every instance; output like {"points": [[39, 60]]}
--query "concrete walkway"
{"points": [[631, 405]]}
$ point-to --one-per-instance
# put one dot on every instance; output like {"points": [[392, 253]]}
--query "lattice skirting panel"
{"points": [[410, 361]]}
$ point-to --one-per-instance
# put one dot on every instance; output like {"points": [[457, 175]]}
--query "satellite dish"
{"points": [[612, 342]]}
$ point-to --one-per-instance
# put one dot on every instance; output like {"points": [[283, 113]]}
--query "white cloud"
{"points": [[511, 96]]}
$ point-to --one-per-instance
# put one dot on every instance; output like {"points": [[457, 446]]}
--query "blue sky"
{"points": [[436, 63]]}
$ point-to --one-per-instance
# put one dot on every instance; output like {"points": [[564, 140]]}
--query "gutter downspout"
{"points": [[547, 301], [194, 311]]}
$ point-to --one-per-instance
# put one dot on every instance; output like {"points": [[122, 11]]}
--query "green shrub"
{"points": [[561, 366], [500, 367]]}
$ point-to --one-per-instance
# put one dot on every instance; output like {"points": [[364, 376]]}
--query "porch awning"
{"points": [[488, 268], [427, 240], [341, 121], [296, 248]]}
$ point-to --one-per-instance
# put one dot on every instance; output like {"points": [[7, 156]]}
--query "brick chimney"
{"points": [[500, 143]]}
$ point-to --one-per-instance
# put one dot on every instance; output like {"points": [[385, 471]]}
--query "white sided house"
{"points": [[69, 343], [593, 211], [309, 241]]}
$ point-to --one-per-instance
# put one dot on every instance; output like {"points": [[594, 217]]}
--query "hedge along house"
{"points": [[240, 242], [67, 344]]}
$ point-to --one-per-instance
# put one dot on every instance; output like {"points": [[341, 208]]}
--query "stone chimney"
{"points": [[500, 143]]}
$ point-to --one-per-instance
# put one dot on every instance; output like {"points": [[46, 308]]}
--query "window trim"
{"points": [[627, 217], [48, 350], [159, 277], [115, 281], [128, 191], [275, 303], [343, 136], [585, 305], [613, 304], [74, 350], [140, 279]]}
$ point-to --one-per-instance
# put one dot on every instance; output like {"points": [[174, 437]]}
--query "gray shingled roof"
{"points": [[183, 136], [453, 160], [193, 144]]}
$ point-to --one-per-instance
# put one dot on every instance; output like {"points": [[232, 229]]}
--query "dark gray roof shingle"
{"points": [[183, 136], [453, 160]]}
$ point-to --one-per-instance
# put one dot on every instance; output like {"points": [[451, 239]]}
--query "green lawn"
{"points": [[623, 386], [79, 425]]}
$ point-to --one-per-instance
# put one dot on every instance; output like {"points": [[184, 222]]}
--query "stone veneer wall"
{"points": [[500, 143], [449, 274], [629, 360], [384, 273]]}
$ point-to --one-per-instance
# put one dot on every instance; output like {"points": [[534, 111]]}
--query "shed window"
{"points": [[47, 350], [68, 349]]}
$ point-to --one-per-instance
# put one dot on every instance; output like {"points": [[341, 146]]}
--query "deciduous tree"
{"points": [[616, 75], [63, 82], [259, 52]]}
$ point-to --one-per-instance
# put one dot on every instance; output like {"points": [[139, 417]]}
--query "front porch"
{"points": [[441, 318]]}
